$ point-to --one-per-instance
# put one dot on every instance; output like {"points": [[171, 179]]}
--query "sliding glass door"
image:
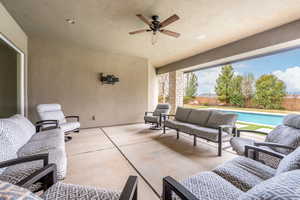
{"points": [[11, 79]]}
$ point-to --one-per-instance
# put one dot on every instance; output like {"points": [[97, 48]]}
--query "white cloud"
{"points": [[291, 77], [207, 80]]}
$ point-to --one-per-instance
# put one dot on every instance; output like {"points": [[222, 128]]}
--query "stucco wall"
{"points": [[69, 75], [13, 32]]}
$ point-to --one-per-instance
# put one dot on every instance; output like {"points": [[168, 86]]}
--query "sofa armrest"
{"points": [[272, 144], [239, 131], [40, 124], [130, 190], [46, 175], [170, 185], [44, 157], [257, 150], [73, 116]]}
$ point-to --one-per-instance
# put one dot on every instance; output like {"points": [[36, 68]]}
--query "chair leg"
{"points": [[167, 192], [195, 141], [164, 129], [177, 134], [220, 142]]}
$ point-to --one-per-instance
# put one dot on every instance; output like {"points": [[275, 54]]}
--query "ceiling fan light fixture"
{"points": [[154, 38]]}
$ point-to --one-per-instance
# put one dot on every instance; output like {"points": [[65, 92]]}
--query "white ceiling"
{"points": [[104, 24]]}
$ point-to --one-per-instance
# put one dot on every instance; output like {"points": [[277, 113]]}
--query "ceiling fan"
{"points": [[156, 26]]}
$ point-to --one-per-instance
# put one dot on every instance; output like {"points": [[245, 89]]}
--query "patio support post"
{"points": [[176, 90]]}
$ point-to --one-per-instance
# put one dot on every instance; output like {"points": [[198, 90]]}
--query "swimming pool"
{"points": [[258, 118]]}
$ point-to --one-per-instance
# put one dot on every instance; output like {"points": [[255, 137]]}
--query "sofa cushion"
{"points": [[238, 144], [69, 126], [217, 119], [13, 192], [289, 162], [173, 124], [210, 186], [202, 132], [284, 135], [292, 120], [13, 133], [244, 172], [48, 134], [199, 117], [36, 146], [16, 173], [182, 114], [283, 186], [74, 192], [27, 127], [7, 148]]}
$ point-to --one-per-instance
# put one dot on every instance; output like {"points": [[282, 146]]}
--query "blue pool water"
{"points": [[259, 118]]}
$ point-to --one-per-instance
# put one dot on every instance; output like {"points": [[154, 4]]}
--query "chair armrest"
{"points": [[167, 116], [72, 116], [24, 159], [272, 144], [170, 185], [130, 190], [234, 129], [146, 113], [41, 123], [46, 175], [257, 149], [239, 131]]}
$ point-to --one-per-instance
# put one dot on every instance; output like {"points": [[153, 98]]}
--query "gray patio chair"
{"points": [[54, 190], [283, 139], [54, 112], [156, 116]]}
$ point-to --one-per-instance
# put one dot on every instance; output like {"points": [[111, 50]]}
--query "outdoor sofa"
{"points": [[207, 124], [241, 178], [282, 139], [24, 151]]}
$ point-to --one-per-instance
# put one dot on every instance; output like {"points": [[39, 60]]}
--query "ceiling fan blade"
{"points": [[170, 33], [138, 31], [168, 21], [144, 19]]}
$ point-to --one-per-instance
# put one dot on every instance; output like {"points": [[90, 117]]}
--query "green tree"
{"points": [[269, 92], [236, 96], [223, 86], [191, 85], [248, 86]]}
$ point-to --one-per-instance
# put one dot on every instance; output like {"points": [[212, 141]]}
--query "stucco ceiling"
{"points": [[104, 24]]}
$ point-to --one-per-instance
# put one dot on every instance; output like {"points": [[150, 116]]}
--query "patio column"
{"points": [[176, 89]]}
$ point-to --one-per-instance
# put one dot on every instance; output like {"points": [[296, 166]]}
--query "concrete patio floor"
{"points": [[105, 157]]}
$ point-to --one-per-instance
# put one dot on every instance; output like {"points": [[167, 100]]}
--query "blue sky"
{"points": [[285, 65]]}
